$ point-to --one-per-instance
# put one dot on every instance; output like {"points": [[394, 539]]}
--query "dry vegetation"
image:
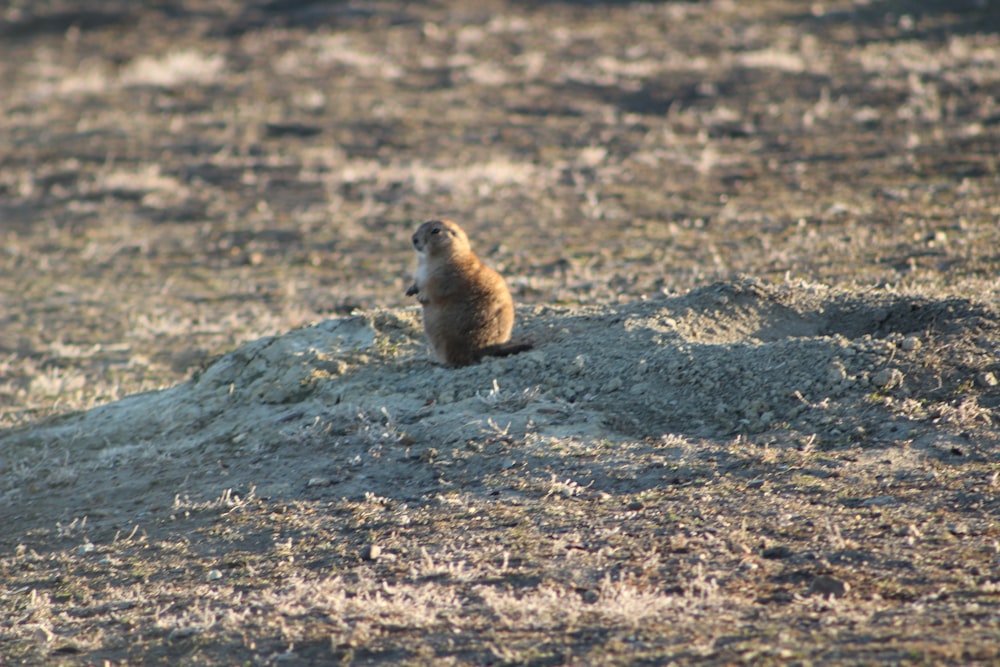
{"points": [[796, 469]]}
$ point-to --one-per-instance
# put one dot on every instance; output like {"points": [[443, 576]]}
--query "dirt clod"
{"points": [[829, 587]]}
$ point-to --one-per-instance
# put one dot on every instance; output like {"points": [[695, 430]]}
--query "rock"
{"points": [[371, 552]]}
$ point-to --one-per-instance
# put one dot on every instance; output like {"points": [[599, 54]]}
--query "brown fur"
{"points": [[468, 310]]}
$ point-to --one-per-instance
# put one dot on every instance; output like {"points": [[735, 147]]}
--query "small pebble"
{"points": [[836, 373], [987, 380], [371, 552], [679, 543], [213, 575], [776, 552], [959, 529], [887, 377], [910, 343], [829, 587]]}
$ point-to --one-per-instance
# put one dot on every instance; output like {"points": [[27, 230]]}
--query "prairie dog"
{"points": [[468, 310]]}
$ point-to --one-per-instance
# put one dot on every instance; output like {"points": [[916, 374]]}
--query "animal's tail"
{"points": [[507, 349]]}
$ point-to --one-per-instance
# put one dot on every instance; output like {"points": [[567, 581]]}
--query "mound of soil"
{"points": [[351, 406]]}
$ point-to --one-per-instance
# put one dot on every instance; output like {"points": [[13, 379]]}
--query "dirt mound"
{"points": [[351, 406]]}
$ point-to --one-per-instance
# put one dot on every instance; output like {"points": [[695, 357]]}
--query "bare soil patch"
{"points": [[754, 243]]}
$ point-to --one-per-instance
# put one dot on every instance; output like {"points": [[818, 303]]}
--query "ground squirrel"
{"points": [[468, 310]]}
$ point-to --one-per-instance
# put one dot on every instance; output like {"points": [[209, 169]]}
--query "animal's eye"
{"points": [[436, 230]]}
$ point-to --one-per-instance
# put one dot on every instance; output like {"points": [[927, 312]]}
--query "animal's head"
{"points": [[440, 237]]}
